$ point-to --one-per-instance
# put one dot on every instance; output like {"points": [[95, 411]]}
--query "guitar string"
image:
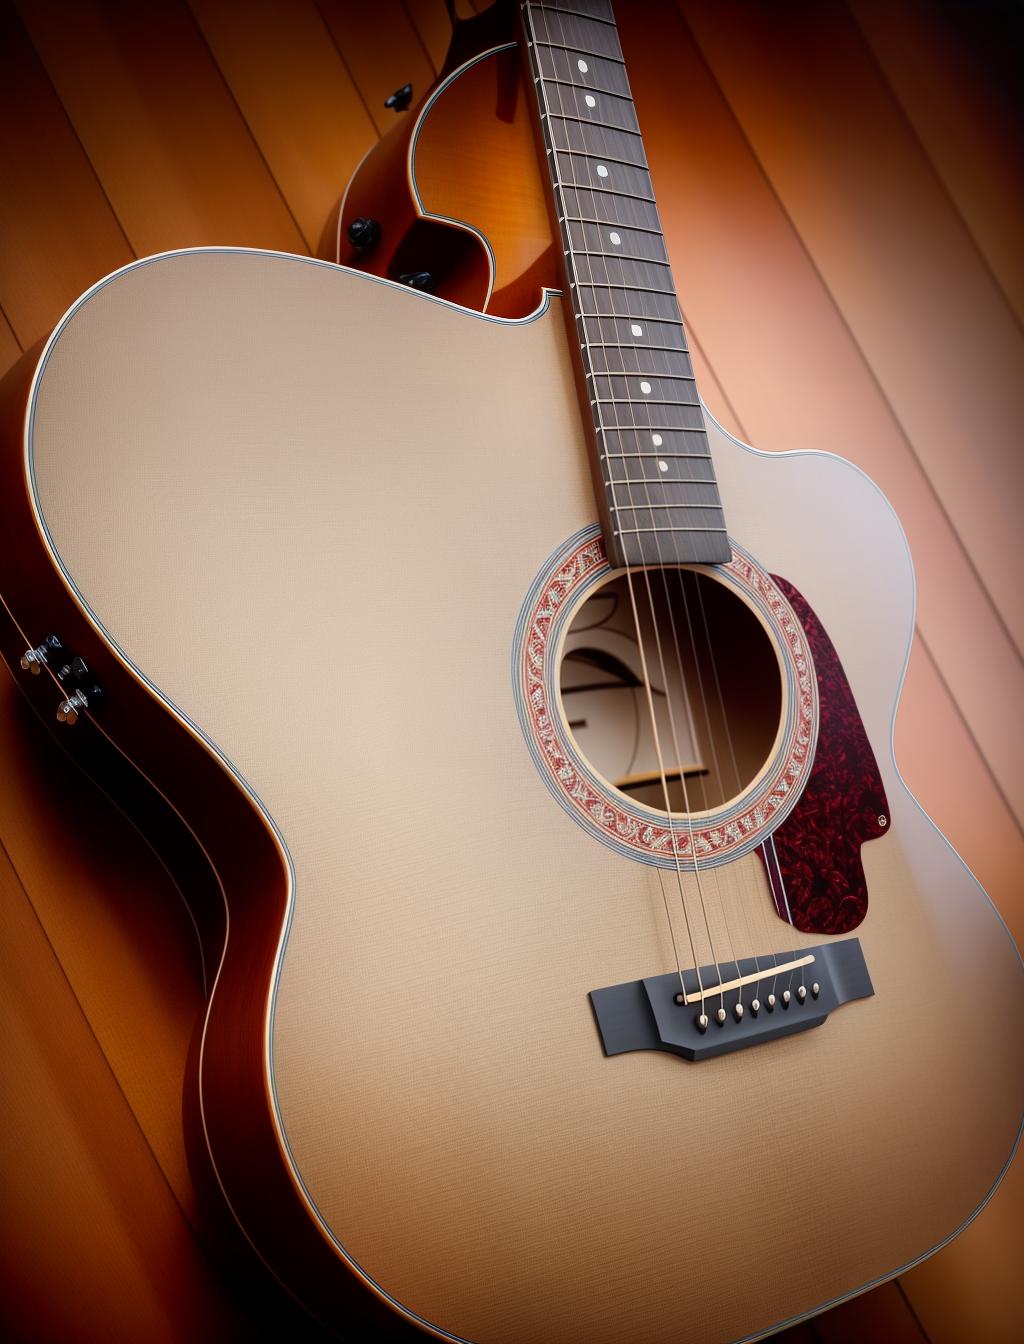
{"points": [[558, 187], [698, 584], [758, 895], [755, 897], [576, 88], [671, 830], [663, 568]]}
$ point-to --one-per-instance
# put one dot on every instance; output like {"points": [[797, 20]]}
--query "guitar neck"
{"points": [[652, 466]]}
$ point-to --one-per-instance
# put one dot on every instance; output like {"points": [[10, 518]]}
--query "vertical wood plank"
{"points": [[380, 45], [965, 108], [917, 297], [880, 1314], [431, 21], [10, 350], [92, 1243], [972, 1289], [115, 921], [946, 774], [161, 129], [795, 375], [297, 98], [58, 233]]}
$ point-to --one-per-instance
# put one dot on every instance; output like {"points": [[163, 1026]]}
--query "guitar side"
{"points": [[441, 1070]]}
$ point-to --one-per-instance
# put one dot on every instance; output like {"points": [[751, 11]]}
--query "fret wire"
{"points": [[592, 121], [606, 158], [670, 429], [609, 224], [653, 457], [622, 256], [582, 51], [639, 373], [633, 531], [570, 84], [653, 480], [625, 345], [573, 13], [607, 191], [639, 508], [626, 317], [635, 289], [640, 401]]}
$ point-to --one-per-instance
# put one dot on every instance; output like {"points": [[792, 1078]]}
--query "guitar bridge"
{"points": [[731, 1005]]}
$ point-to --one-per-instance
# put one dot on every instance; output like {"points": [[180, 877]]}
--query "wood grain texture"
{"points": [[303, 109], [923, 308], [383, 51], [87, 1192], [962, 100], [162, 131], [770, 327], [59, 231], [760, 328]]}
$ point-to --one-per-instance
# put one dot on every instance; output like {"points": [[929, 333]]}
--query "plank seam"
{"points": [[869, 368], [249, 130]]}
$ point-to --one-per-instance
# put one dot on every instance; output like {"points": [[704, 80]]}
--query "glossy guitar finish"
{"points": [[300, 593]]}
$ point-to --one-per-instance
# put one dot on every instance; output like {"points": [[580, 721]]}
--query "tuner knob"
{"points": [[364, 233], [68, 710], [34, 660], [400, 99], [417, 279]]}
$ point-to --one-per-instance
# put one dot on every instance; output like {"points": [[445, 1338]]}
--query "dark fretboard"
{"points": [[661, 503]]}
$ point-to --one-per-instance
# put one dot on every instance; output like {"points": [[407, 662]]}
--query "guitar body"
{"points": [[304, 592]]}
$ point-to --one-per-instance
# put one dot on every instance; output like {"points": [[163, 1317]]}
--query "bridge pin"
{"points": [[786, 996], [801, 993], [680, 999], [755, 1006], [815, 989], [770, 1002], [738, 1012], [702, 1021], [720, 1016]]}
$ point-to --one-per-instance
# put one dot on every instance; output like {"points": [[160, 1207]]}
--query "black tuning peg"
{"points": [[400, 99], [417, 279], [364, 233]]}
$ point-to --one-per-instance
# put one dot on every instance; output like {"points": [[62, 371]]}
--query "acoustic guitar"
{"points": [[585, 970]]}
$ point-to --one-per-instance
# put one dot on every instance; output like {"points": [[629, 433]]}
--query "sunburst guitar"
{"points": [[586, 971]]}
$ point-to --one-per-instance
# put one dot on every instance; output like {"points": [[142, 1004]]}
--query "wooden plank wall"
{"points": [[842, 190]]}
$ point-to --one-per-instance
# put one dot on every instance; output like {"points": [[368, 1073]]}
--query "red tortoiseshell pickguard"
{"points": [[817, 848]]}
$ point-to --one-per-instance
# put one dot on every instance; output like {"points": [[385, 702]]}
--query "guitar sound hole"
{"points": [[715, 684]]}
